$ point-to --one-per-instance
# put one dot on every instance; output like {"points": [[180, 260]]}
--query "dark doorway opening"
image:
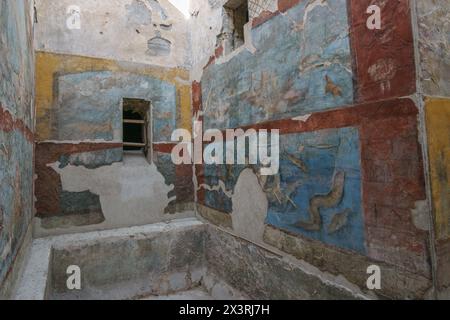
{"points": [[136, 120], [236, 15]]}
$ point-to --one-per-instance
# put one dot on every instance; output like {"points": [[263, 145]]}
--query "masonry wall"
{"points": [[84, 182], [351, 190], [143, 31], [16, 132]]}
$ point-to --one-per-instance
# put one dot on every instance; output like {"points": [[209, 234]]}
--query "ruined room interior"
{"points": [[91, 92]]}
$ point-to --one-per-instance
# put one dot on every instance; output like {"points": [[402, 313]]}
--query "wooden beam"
{"points": [[134, 121], [134, 144]]}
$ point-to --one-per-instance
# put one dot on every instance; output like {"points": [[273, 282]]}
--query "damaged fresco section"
{"points": [[90, 109], [74, 190], [219, 183], [317, 192], [84, 207], [58, 207], [307, 69], [349, 179], [179, 177], [90, 105], [83, 174], [16, 130], [351, 184]]}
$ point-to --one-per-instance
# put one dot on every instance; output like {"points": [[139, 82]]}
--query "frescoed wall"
{"points": [[90, 105], [79, 134], [317, 191], [307, 69], [363, 116], [351, 183], [16, 130]]}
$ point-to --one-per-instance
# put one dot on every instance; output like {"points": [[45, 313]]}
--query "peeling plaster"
{"points": [[131, 193], [114, 29], [420, 215], [302, 118]]}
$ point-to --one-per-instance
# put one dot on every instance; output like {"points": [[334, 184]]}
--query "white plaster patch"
{"points": [[218, 187], [420, 215], [250, 207], [132, 192], [302, 118]]}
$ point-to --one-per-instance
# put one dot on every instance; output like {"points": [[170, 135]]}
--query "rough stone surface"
{"points": [[261, 274], [327, 259], [434, 46], [179, 259], [160, 263]]}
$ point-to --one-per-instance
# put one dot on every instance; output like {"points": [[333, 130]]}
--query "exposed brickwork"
{"points": [[263, 17], [285, 5]]}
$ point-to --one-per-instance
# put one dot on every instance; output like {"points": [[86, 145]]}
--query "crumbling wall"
{"points": [[16, 132], [141, 52], [144, 31], [83, 181], [351, 189], [209, 23]]}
